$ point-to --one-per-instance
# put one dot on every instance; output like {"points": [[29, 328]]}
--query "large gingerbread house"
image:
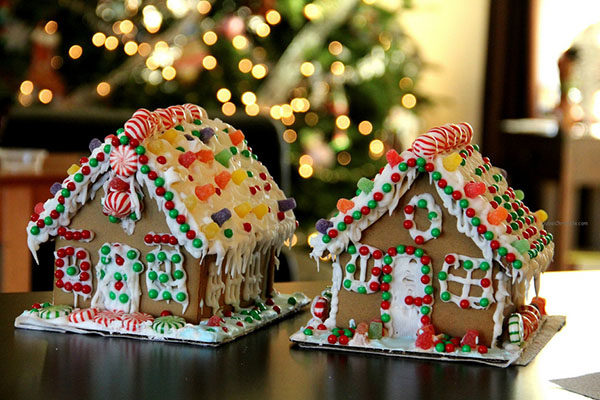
{"points": [[173, 217], [437, 248]]}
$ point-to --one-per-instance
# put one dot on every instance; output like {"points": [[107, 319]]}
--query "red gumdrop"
{"points": [[424, 341], [332, 339], [471, 338], [165, 313], [118, 185], [344, 339], [39, 208], [222, 179], [393, 158], [186, 159], [215, 320], [474, 189]]}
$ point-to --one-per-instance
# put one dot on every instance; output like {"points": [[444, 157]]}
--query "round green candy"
{"points": [[467, 264], [105, 260], [436, 176], [435, 232], [152, 275], [124, 139], [65, 193], [358, 192], [197, 243], [386, 296], [445, 296], [326, 238], [249, 320], [162, 256], [428, 289], [150, 257], [357, 215], [144, 169], [371, 204], [173, 213], [386, 187], [166, 295], [48, 221], [442, 275], [292, 300], [419, 252], [233, 150], [341, 226], [168, 196], [425, 310], [448, 189], [117, 276], [133, 216], [440, 347], [107, 148], [388, 259], [176, 258], [102, 273], [489, 235], [351, 249], [131, 254], [421, 162], [137, 267], [180, 296], [362, 290], [465, 348], [464, 203], [432, 215], [387, 278], [484, 266], [425, 269], [422, 203], [163, 278], [502, 251], [228, 233], [93, 162], [140, 150], [60, 208], [348, 332], [308, 332], [484, 302], [347, 283], [123, 298], [475, 221], [159, 181], [178, 274], [71, 271], [350, 268], [112, 295], [337, 331], [35, 230], [385, 317], [78, 177], [105, 250], [402, 166], [517, 264], [113, 219], [401, 249]]}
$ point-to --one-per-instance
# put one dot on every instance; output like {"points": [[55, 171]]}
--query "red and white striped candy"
{"points": [[117, 204], [178, 112], [123, 160], [133, 321], [320, 308], [165, 118], [82, 315], [107, 317], [137, 128], [442, 139], [193, 110], [142, 113]]}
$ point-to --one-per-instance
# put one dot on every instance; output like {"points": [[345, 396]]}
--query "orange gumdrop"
{"points": [[344, 205], [236, 137], [205, 191], [222, 179], [205, 156], [495, 217]]}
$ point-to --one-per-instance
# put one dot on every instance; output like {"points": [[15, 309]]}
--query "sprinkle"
{"points": [[365, 185], [323, 225], [206, 134], [221, 216], [286, 204]]}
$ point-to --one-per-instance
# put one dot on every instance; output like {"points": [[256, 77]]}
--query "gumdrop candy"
{"points": [[541, 215], [73, 169], [215, 320], [190, 202], [540, 304], [118, 185], [393, 158], [286, 204], [206, 134], [205, 156], [344, 205], [205, 191], [365, 185], [452, 161], [519, 194], [94, 144], [223, 179], [236, 137], [189, 137], [38, 208], [157, 146], [522, 246], [362, 328], [496, 216], [239, 176], [323, 225], [375, 330], [426, 329], [223, 157], [242, 209], [186, 159], [170, 135], [260, 210], [55, 188], [210, 230], [470, 338], [474, 189], [221, 216], [424, 341]]}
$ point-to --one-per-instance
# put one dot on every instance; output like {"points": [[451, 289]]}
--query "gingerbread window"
{"points": [[426, 202], [466, 281]]}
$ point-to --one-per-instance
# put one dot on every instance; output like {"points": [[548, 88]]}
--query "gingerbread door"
{"points": [[406, 283]]}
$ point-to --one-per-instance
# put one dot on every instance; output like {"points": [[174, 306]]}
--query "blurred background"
{"points": [[322, 89]]}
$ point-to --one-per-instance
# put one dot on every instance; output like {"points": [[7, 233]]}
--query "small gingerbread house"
{"points": [[437, 239], [173, 214]]}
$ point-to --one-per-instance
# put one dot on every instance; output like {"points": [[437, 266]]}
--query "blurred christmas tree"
{"points": [[338, 75]]}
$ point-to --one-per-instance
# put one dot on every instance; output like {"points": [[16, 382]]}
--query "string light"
{"points": [[209, 38], [337, 68], [169, 73], [365, 127], [290, 135], [144, 49], [307, 68], [56, 62], [98, 39], [178, 7], [287, 121], [312, 11], [344, 158], [126, 26], [286, 110], [306, 159], [111, 43], [151, 63], [248, 98], [26, 87], [203, 7], [273, 17], [103, 89], [116, 27], [259, 71], [75, 51], [405, 83], [152, 19], [245, 65], [305, 171], [376, 148], [223, 95], [335, 48], [45, 96], [263, 30], [342, 122], [25, 100], [209, 62], [310, 237], [275, 112], [239, 42], [130, 48], [409, 100], [252, 109], [311, 119], [51, 27], [228, 108]]}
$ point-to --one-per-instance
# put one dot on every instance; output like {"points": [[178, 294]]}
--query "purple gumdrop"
{"points": [[56, 186], [323, 225], [94, 143], [206, 134], [189, 137], [286, 204], [221, 216]]}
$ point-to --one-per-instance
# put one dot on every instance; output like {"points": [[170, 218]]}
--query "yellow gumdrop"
{"points": [[541, 215], [452, 161], [260, 210], [170, 135], [243, 209], [239, 176], [73, 169], [190, 202], [210, 230]]}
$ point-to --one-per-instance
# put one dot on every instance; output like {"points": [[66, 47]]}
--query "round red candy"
{"points": [[165, 313], [419, 239], [410, 250], [332, 339], [408, 224], [482, 349], [86, 289], [377, 254], [344, 340], [363, 250], [409, 300], [387, 269], [70, 251], [148, 239], [409, 209], [322, 327], [450, 259], [464, 304], [385, 304], [374, 286]]}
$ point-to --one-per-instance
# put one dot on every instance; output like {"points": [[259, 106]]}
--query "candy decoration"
{"points": [[515, 329], [205, 156], [123, 160], [206, 134], [221, 216], [167, 324], [471, 338], [442, 139], [82, 315], [55, 188], [132, 322], [223, 158], [344, 205], [165, 118], [177, 112], [323, 225], [522, 245], [541, 216], [137, 128], [210, 230], [474, 189], [53, 312], [260, 210], [519, 194], [365, 185], [222, 179], [469, 264], [238, 176], [393, 158], [108, 317], [452, 161], [118, 185], [94, 144], [242, 209], [117, 204], [73, 169], [286, 204], [497, 216], [186, 159], [38, 208], [193, 111], [204, 192], [236, 137], [540, 304], [427, 201], [319, 307]]}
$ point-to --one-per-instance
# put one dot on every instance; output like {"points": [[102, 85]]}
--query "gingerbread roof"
{"points": [[216, 196], [487, 210]]}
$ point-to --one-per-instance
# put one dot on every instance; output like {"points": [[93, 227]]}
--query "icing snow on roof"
{"points": [[487, 210]]}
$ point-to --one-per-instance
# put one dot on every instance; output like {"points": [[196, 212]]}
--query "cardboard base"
{"points": [[405, 347], [238, 324]]}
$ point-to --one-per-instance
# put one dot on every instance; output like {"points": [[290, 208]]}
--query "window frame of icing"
{"points": [[466, 282], [435, 223]]}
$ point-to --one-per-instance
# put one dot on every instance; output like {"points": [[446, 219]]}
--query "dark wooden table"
{"points": [[264, 365]]}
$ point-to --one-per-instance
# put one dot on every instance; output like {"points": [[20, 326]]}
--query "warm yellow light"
{"points": [[376, 147], [409, 100], [305, 171], [344, 158], [98, 39], [310, 237], [259, 71], [306, 159], [209, 62], [151, 63], [209, 38], [369, 2], [307, 68], [56, 62], [130, 48], [111, 43], [342, 122], [294, 241], [161, 45], [75, 51], [365, 127], [203, 7], [252, 109], [273, 17], [263, 30], [144, 49], [179, 8], [239, 42], [337, 68], [169, 73], [335, 48], [26, 87], [51, 27], [245, 65], [45, 96], [152, 18], [116, 27], [287, 121], [290, 135], [248, 98], [286, 110], [228, 108], [275, 112], [311, 119], [25, 100], [312, 11], [126, 26], [297, 104], [405, 83], [103, 89], [223, 95]]}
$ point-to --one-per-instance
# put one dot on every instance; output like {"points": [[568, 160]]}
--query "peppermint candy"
{"points": [[137, 128], [133, 321], [320, 308], [108, 317], [53, 312], [123, 160], [81, 315], [442, 139], [117, 204], [168, 323]]}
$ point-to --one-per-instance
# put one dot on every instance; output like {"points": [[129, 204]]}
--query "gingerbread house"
{"points": [[171, 217], [437, 244]]}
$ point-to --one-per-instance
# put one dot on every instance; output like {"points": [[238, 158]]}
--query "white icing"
{"points": [[468, 281], [436, 223], [168, 270], [76, 278]]}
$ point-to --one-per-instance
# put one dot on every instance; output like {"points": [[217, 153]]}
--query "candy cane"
{"points": [[133, 321], [137, 128], [81, 315], [107, 317], [178, 112], [194, 111], [442, 139], [165, 118], [123, 160]]}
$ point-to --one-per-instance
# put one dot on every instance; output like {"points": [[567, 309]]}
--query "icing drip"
{"points": [[165, 277], [73, 267]]}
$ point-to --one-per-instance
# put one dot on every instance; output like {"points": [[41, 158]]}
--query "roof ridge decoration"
{"points": [[488, 211]]}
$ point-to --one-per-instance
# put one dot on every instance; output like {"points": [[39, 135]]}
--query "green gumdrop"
{"points": [[365, 185], [521, 246], [375, 330], [223, 157], [519, 194]]}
